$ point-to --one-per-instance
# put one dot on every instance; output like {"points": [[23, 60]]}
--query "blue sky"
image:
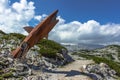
{"points": [[103, 11], [80, 21]]}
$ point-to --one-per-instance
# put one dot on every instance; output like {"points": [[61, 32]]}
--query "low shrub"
{"points": [[7, 75], [49, 48], [110, 63]]}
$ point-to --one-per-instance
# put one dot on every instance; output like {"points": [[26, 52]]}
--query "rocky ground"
{"points": [[36, 67], [41, 69]]}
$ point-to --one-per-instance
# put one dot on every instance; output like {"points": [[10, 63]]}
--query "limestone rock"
{"points": [[101, 71]]}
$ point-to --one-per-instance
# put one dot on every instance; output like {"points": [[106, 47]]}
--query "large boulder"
{"points": [[102, 71]]}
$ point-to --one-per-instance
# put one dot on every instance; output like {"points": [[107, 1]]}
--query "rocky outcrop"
{"points": [[100, 71], [62, 59], [10, 67], [24, 69], [18, 68], [34, 65]]}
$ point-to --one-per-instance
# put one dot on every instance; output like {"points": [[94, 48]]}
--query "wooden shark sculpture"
{"points": [[35, 35]]}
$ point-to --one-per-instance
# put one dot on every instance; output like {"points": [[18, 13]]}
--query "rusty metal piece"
{"points": [[35, 34]]}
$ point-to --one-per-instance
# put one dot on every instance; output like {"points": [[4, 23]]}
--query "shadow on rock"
{"points": [[71, 73]]}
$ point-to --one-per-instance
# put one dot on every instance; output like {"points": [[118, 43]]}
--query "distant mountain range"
{"points": [[79, 46]]}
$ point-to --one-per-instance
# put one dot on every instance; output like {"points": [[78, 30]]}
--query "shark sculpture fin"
{"points": [[28, 28]]}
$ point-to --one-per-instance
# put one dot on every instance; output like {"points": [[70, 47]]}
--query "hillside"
{"points": [[111, 52], [48, 60], [109, 55], [48, 48], [46, 51]]}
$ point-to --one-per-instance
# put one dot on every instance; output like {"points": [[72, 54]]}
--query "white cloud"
{"points": [[91, 32], [17, 15], [40, 17], [14, 17]]}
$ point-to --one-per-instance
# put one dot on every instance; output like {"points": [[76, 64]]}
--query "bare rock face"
{"points": [[66, 57], [22, 69], [10, 67], [101, 71], [62, 59]]}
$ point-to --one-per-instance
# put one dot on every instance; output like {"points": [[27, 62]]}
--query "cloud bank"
{"points": [[17, 15], [14, 17], [90, 32]]}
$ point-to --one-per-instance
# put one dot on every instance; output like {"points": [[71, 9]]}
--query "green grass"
{"points": [[6, 75], [49, 48], [48, 52], [110, 57], [117, 48], [13, 36], [12, 69], [6, 37], [1, 78], [17, 35], [1, 71], [2, 63], [110, 63]]}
